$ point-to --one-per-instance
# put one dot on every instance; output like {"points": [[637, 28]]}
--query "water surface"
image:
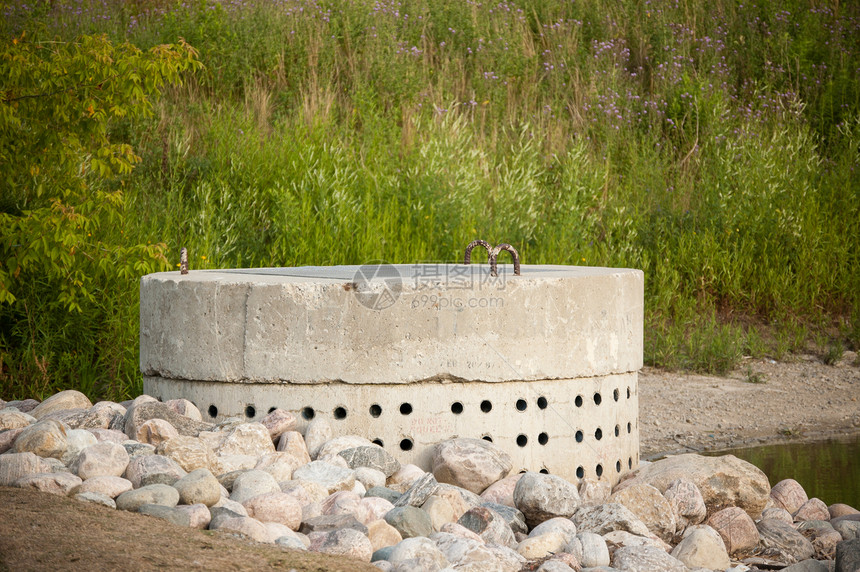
{"points": [[829, 470]]}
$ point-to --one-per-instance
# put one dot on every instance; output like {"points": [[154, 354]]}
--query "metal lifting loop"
{"points": [[495, 253], [183, 261], [467, 259]]}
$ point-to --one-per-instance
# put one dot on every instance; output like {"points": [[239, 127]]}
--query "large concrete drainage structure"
{"points": [[543, 364]]}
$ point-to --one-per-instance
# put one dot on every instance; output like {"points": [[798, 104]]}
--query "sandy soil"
{"points": [[801, 400]]}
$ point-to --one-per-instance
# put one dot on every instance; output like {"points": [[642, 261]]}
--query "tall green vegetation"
{"points": [[713, 145]]}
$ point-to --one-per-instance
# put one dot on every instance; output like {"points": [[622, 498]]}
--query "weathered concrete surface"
{"points": [[544, 364], [308, 325]]}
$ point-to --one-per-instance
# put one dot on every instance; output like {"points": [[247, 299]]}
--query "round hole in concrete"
{"points": [[340, 412], [456, 408], [250, 411], [521, 404], [543, 438], [629, 462], [212, 411], [308, 413], [487, 438], [272, 409], [542, 403], [375, 410], [406, 445], [598, 434], [578, 401], [580, 472], [578, 436], [617, 430], [618, 466], [615, 394], [378, 442], [522, 440], [486, 406], [599, 470], [544, 472], [406, 409], [629, 427], [597, 398]]}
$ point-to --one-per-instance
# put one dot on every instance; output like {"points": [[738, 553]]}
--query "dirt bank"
{"points": [[761, 402]]}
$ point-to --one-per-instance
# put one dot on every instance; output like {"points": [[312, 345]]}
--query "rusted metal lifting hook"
{"points": [[493, 254], [468, 258], [183, 260]]}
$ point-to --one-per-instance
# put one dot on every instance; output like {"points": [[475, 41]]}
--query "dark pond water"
{"points": [[829, 470]]}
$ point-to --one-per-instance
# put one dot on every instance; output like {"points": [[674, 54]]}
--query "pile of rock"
{"points": [[344, 495]]}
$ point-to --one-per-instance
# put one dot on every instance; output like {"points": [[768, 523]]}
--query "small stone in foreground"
{"points": [[168, 513], [13, 466], [151, 494], [410, 521], [101, 460], [198, 486], [541, 497], [646, 559], [54, 483], [473, 464]]}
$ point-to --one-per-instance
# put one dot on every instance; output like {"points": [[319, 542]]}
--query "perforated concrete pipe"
{"points": [[543, 364]]}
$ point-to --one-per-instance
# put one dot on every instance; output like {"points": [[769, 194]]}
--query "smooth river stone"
{"points": [[788, 494], [15, 420], [143, 468], [489, 525], [344, 542], [101, 460], [108, 486], [278, 422], [605, 518], [331, 477], [650, 506], [164, 495], [46, 439], [198, 487], [68, 399], [13, 466], [502, 491], [541, 497], [190, 453], [703, 547], [275, 507], [253, 483], [370, 456], [185, 408], [736, 528], [76, 441], [293, 443], [54, 483], [473, 464], [723, 481], [687, 503], [646, 559], [785, 539]]}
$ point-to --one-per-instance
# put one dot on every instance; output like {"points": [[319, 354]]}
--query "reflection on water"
{"points": [[828, 470]]}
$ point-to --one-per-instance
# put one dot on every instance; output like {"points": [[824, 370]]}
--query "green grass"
{"points": [[713, 146]]}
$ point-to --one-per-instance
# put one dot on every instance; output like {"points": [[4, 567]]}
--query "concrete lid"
{"points": [[391, 323]]}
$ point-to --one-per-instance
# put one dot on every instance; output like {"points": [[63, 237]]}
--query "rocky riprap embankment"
{"points": [[344, 495]]}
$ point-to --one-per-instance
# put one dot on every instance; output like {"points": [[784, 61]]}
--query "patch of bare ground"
{"points": [[41, 531], [763, 401]]}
